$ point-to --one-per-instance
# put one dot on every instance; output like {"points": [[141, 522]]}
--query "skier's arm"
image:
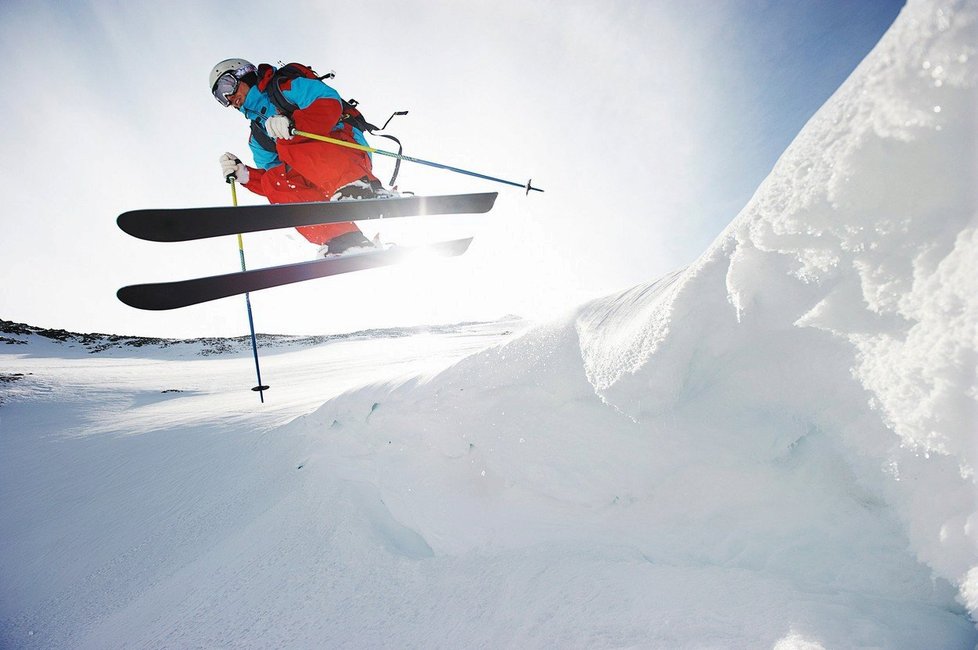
{"points": [[264, 159], [254, 180], [320, 106]]}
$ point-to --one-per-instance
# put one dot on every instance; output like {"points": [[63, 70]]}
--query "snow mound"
{"points": [[776, 445]]}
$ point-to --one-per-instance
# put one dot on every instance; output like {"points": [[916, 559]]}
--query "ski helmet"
{"points": [[234, 68]]}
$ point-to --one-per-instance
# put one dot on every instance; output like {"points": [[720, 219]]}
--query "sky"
{"points": [[649, 125]]}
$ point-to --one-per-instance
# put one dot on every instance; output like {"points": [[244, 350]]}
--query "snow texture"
{"points": [[774, 447]]}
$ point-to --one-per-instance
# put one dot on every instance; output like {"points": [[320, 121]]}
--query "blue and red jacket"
{"points": [[301, 169], [320, 110]]}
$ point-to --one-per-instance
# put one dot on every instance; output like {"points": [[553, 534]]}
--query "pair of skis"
{"points": [[173, 225]]}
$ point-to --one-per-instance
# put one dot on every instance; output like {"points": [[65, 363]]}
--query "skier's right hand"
{"points": [[232, 167]]}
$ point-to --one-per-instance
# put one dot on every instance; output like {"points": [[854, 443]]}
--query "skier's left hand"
{"points": [[279, 127]]}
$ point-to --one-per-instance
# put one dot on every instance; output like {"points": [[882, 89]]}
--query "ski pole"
{"points": [[260, 388], [353, 145]]}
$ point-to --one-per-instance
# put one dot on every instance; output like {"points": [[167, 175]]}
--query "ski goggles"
{"points": [[227, 84]]}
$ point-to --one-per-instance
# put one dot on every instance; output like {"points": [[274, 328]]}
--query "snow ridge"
{"points": [[798, 404]]}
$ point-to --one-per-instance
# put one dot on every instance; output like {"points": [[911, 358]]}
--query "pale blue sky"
{"points": [[650, 124]]}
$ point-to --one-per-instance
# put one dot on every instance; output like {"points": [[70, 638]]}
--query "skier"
{"points": [[290, 168]]}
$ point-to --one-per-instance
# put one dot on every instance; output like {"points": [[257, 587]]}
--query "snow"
{"points": [[773, 447]]}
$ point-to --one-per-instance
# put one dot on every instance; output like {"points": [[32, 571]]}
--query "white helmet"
{"points": [[237, 66], [225, 77]]}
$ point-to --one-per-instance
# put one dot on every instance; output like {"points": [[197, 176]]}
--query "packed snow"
{"points": [[774, 447]]}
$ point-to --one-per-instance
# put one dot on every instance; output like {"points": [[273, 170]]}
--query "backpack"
{"points": [[351, 114]]}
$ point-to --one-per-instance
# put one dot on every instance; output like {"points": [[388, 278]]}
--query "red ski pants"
{"points": [[312, 171]]}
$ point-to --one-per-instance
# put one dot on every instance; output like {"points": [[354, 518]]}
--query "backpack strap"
{"points": [[400, 150], [261, 137], [274, 92], [274, 89], [353, 117]]}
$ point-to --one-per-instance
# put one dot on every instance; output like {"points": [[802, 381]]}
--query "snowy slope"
{"points": [[125, 462], [774, 447]]}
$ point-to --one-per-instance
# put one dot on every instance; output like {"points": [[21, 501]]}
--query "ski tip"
{"points": [[147, 297], [134, 224], [123, 221], [126, 295]]}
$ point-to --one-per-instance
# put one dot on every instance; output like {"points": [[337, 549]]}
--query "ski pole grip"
{"points": [[230, 178]]}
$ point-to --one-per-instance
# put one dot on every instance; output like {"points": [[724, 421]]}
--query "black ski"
{"points": [[185, 224], [172, 295]]}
